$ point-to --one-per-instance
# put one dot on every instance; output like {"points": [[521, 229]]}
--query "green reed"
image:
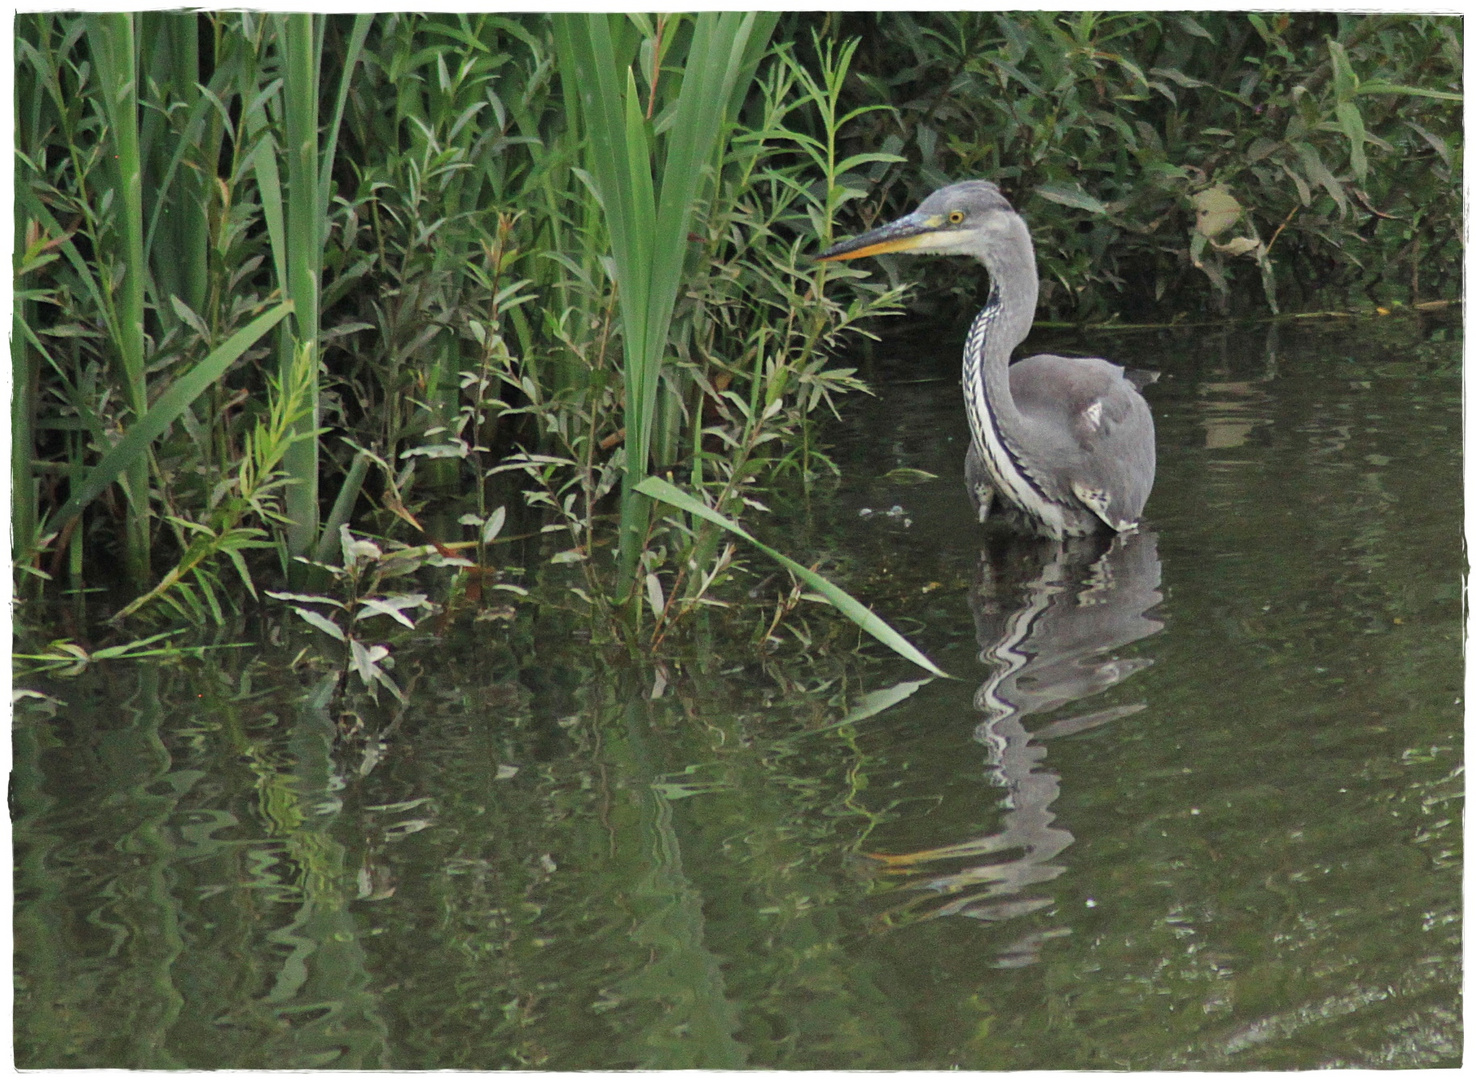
{"points": [[309, 160], [647, 184], [114, 51], [300, 55], [131, 219]]}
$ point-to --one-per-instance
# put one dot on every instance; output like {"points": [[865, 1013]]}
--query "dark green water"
{"points": [[1194, 801]]}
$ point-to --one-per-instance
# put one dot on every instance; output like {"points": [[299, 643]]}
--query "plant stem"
{"points": [[305, 262]]}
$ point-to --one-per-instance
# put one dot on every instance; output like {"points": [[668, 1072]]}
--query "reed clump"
{"points": [[314, 271]]}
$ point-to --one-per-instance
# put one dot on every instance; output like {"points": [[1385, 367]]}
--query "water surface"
{"points": [[1192, 802]]}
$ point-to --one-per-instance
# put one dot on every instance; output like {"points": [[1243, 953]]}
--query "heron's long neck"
{"points": [[1003, 323]]}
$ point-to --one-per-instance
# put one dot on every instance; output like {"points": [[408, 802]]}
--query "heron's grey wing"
{"points": [[1092, 431]]}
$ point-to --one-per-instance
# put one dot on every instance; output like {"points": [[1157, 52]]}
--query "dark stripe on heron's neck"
{"points": [[975, 361]]}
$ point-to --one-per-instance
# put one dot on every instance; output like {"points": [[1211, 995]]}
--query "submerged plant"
{"points": [[361, 579]]}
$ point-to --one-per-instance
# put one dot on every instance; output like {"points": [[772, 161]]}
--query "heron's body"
{"points": [[1060, 446]]}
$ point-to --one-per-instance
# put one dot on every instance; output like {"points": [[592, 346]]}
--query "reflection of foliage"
{"points": [[620, 848], [595, 859], [66, 658], [213, 814]]}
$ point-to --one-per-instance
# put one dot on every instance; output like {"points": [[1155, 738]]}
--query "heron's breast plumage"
{"points": [[1003, 462]]}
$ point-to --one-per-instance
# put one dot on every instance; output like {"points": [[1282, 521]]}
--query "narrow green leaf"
{"points": [[494, 524], [269, 186], [111, 40], [362, 22], [1345, 83], [1071, 195], [306, 598], [393, 606], [132, 648], [855, 161], [1318, 171], [1379, 86], [656, 488], [366, 661], [196, 323], [655, 595], [1351, 121]]}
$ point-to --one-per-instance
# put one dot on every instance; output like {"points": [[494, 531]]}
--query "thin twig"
{"points": [[1271, 243]]}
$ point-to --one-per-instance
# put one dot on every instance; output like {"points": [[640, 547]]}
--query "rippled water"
{"points": [[1193, 800]]}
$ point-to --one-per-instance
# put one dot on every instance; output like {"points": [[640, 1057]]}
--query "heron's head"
{"points": [[961, 219]]}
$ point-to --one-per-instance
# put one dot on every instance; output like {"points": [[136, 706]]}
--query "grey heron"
{"points": [[1060, 446]]}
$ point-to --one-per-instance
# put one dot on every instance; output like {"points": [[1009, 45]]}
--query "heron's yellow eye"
{"points": [[956, 216]]}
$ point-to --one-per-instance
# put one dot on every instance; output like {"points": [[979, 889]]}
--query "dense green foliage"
{"points": [[1338, 137], [446, 194], [436, 205], [292, 285]]}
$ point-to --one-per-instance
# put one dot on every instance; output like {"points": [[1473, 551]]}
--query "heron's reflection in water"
{"points": [[1048, 617]]}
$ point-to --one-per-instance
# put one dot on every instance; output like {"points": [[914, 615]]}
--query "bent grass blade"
{"points": [[656, 488], [180, 395], [867, 706]]}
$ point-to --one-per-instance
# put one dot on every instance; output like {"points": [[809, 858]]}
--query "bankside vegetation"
{"points": [[1178, 164], [286, 282]]}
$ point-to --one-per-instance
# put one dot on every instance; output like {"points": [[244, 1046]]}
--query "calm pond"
{"points": [[1193, 801]]}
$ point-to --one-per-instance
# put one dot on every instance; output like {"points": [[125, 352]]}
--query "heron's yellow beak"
{"points": [[911, 233]]}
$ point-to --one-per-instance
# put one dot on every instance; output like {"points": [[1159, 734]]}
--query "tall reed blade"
{"points": [[111, 40], [175, 152], [299, 50], [647, 185], [23, 368]]}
